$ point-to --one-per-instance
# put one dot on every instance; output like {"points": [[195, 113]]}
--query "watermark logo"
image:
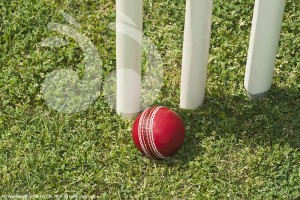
{"points": [[62, 89], [65, 92]]}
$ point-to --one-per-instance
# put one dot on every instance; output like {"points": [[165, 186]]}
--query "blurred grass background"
{"points": [[234, 148]]}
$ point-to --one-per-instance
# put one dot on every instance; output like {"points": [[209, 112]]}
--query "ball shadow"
{"points": [[274, 119]]}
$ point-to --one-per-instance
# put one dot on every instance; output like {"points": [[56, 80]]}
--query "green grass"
{"points": [[234, 148]]}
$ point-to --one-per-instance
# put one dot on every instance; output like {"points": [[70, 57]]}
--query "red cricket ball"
{"points": [[158, 132]]}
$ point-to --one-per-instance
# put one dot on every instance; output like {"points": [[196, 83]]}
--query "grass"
{"points": [[234, 148]]}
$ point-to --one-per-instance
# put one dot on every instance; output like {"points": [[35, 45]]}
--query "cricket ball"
{"points": [[158, 132]]}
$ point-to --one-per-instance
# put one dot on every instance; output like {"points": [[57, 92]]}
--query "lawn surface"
{"points": [[234, 148]]}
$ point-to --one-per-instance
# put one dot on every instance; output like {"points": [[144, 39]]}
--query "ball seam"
{"points": [[151, 133]]}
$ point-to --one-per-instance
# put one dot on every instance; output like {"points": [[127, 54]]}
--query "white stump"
{"points": [[195, 52], [129, 55], [265, 35]]}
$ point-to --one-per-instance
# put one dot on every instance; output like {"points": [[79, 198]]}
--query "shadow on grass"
{"points": [[274, 119]]}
